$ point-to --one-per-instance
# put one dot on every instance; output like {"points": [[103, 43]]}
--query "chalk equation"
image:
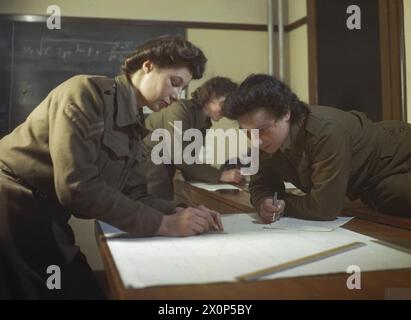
{"points": [[66, 49]]}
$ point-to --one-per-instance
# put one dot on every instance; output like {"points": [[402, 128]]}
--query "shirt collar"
{"points": [[128, 110], [287, 142], [127, 107], [293, 135], [202, 120]]}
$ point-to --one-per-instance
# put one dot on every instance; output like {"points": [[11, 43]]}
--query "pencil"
{"points": [[274, 198]]}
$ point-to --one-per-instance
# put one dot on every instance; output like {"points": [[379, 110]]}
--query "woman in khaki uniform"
{"points": [[325, 152], [196, 113], [80, 152]]}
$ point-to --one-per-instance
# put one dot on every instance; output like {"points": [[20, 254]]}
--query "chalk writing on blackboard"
{"points": [[67, 49]]}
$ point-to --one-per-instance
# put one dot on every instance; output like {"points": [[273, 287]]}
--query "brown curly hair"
{"points": [[167, 51], [213, 88], [264, 91]]}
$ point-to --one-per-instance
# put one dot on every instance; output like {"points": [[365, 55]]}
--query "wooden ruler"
{"points": [[301, 261]]}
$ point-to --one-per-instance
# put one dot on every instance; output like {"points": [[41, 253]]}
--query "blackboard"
{"points": [[34, 59], [349, 67]]}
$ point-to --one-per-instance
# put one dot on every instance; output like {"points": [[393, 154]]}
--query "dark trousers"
{"points": [[28, 247]]}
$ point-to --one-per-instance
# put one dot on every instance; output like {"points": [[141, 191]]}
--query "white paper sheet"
{"points": [[243, 248], [214, 186], [249, 222], [289, 185], [226, 186]]}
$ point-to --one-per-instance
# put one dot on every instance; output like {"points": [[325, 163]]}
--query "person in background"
{"points": [[326, 152], [80, 152], [197, 112]]}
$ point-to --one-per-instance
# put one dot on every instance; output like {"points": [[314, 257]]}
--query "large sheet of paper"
{"points": [[245, 246]]}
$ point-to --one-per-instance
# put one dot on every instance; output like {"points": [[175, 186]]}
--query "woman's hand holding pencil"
{"points": [[271, 209]]}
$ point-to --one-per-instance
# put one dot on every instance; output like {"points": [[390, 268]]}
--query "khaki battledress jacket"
{"points": [[331, 154], [160, 176], [82, 146], [79, 152]]}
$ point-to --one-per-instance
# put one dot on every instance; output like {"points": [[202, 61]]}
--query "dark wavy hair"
{"points": [[167, 51], [213, 88], [264, 91]]}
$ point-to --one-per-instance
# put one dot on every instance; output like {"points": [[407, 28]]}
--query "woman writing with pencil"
{"points": [[205, 105], [79, 152]]}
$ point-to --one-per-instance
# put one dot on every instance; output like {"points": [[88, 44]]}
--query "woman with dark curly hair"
{"points": [[206, 104], [79, 152], [326, 152]]}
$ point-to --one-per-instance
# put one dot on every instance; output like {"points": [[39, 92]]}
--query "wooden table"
{"points": [[375, 285]]}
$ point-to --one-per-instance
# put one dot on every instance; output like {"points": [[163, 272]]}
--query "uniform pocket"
{"points": [[117, 144], [113, 158]]}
